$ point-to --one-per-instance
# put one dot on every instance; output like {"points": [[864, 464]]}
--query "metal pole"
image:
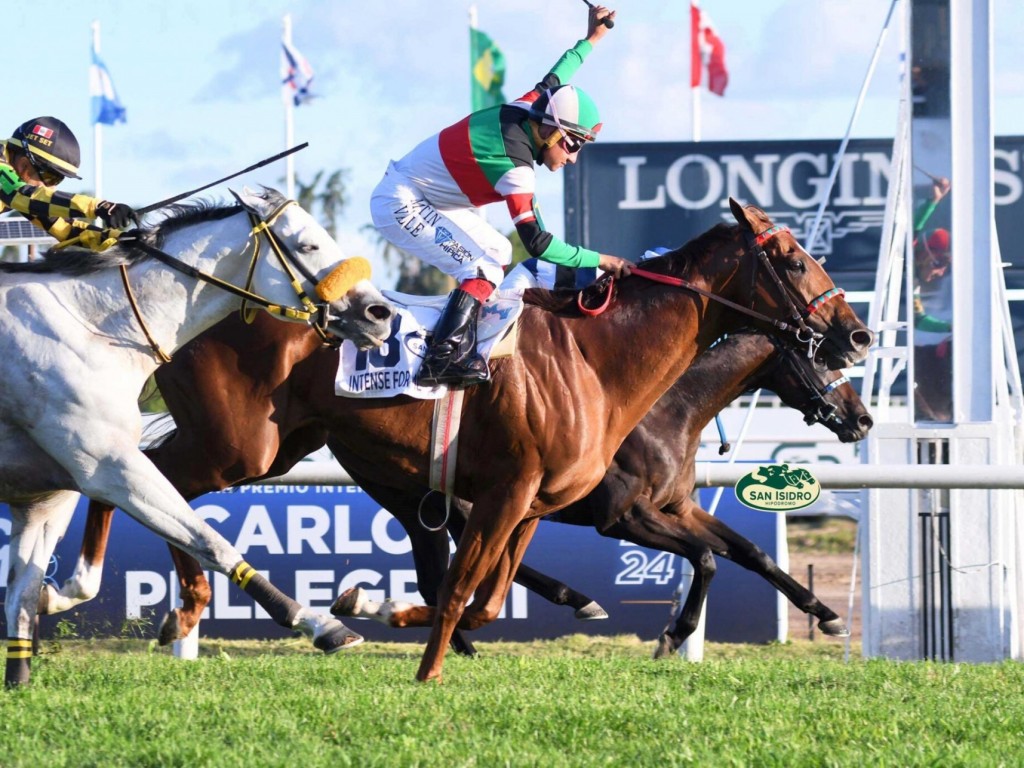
{"points": [[97, 128], [289, 121], [849, 128]]}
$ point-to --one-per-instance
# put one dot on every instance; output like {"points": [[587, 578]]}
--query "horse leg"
{"points": [[542, 585], [162, 509], [730, 544], [559, 593], [430, 549], [194, 589], [84, 584], [490, 595], [496, 516], [35, 530]]}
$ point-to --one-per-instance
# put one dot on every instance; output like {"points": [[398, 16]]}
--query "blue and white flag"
{"points": [[296, 75], [106, 107]]}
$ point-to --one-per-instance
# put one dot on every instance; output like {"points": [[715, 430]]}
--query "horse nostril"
{"points": [[379, 312], [865, 422], [862, 339]]}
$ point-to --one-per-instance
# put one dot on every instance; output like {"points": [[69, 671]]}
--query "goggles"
{"points": [[572, 143], [47, 175]]}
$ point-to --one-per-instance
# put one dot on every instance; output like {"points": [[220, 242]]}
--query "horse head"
{"points": [[822, 396], [304, 257], [789, 284]]}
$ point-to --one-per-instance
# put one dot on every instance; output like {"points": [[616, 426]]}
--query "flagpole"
{"points": [[289, 122], [97, 128], [695, 78]]}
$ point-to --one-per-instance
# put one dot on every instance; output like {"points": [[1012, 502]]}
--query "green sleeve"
{"points": [[571, 60], [566, 255], [923, 214]]}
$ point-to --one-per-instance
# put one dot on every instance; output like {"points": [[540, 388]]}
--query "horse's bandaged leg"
{"points": [[19, 660], [282, 609]]}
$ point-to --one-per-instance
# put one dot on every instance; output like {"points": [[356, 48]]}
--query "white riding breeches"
{"points": [[458, 242]]}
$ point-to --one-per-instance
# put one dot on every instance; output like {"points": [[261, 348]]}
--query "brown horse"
{"points": [[646, 496], [541, 434]]}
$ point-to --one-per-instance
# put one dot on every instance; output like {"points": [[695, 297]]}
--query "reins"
{"points": [[804, 333], [316, 314]]}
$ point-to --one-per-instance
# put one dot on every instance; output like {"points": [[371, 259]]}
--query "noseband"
{"points": [[819, 410]]}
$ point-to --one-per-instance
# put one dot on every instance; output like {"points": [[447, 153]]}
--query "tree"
{"points": [[330, 199]]}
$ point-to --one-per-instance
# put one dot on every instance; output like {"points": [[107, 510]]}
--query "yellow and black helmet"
{"points": [[50, 146]]}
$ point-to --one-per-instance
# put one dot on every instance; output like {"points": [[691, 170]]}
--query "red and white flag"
{"points": [[707, 51]]}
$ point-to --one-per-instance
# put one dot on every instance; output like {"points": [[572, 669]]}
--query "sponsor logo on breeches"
{"points": [[415, 215]]}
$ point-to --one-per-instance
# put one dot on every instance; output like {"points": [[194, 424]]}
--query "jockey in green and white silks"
{"points": [[40, 154], [425, 203]]}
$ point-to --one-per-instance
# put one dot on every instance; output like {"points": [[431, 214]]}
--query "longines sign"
{"points": [[626, 198]]}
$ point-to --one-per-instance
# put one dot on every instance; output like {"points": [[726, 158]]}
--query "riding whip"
{"points": [[183, 195], [606, 21]]}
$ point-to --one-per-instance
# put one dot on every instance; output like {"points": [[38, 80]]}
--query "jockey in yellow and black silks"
{"points": [[40, 154]]}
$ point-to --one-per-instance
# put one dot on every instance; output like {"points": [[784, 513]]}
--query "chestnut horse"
{"points": [[646, 496], [540, 435], [593, 378]]}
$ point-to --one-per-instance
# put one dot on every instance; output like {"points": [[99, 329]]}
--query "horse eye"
{"points": [[796, 265], [309, 247]]}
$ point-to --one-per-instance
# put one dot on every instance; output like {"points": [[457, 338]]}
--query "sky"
{"points": [[200, 82]]}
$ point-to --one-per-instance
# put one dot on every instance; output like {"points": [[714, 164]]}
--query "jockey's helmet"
{"points": [[50, 145], [569, 109]]}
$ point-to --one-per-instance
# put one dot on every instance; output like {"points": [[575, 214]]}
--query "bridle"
{"points": [[797, 325], [316, 314], [820, 409]]}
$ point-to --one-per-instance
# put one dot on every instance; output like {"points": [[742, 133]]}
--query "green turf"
{"points": [[580, 701]]}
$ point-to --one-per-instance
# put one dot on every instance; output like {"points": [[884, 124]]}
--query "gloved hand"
{"points": [[117, 215]]}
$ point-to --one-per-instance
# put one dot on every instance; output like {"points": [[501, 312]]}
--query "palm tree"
{"points": [[330, 199]]}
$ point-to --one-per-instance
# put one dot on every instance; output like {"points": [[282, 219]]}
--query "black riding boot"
{"points": [[452, 357]]}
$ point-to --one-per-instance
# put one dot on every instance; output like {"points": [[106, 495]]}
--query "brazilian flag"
{"points": [[487, 71]]}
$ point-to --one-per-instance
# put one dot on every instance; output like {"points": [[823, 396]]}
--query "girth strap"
{"points": [[444, 448]]}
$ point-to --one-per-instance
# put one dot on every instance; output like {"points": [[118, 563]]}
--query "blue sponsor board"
{"points": [[314, 541]]}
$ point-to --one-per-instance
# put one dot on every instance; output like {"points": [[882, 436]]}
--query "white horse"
{"points": [[77, 354]]}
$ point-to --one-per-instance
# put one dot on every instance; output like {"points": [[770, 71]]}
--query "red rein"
{"points": [[760, 239]]}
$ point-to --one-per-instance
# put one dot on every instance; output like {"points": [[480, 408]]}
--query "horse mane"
{"points": [[75, 261], [563, 302]]}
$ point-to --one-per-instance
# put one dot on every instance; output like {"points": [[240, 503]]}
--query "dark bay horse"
{"points": [[593, 378], [646, 496]]}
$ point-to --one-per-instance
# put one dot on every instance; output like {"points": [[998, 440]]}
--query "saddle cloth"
{"points": [[391, 369]]}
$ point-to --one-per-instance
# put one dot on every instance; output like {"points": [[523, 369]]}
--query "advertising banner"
{"points": [[315, 541], [626, 198]]}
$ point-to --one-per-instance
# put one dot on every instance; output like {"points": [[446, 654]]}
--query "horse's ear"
{"points": [[254, 203], [742, 215]]}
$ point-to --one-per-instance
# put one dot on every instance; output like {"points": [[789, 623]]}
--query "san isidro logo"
{"points": [[777, 488]]}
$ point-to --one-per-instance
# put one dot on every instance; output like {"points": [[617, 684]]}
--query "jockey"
{"points": [[424, 204], [39, 155]]}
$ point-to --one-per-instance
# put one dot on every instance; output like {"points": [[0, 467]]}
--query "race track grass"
{"points": [[580, 701]]}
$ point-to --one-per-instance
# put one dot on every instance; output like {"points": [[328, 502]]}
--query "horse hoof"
{"points": [[665, 648], [834, 628], [170, 629], [349, 602], [591, 612], [337, 638]]}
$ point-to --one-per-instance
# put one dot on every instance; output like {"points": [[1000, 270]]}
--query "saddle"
{"points": [[391, 369]]}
